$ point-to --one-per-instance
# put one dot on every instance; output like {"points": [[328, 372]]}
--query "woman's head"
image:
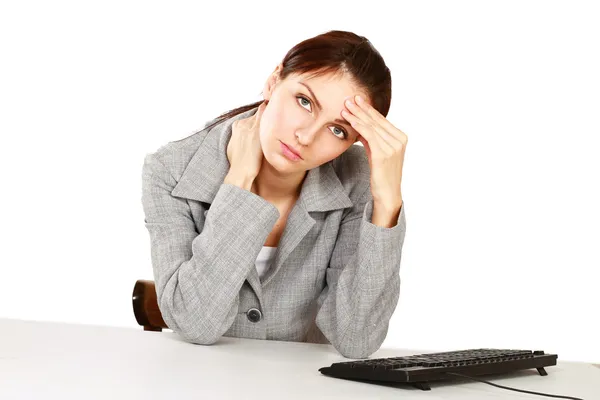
{"points": [[305, 113], [306, 94]]}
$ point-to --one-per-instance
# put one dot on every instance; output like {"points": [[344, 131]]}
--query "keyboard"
{"points": [[421, 369]]}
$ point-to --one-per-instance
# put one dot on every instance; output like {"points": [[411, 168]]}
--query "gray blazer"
{"points": [[335, 276]]}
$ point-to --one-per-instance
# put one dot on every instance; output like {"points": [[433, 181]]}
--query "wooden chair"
{"points": [[145, 306]]}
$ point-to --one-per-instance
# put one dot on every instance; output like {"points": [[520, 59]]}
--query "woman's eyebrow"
{"points": [[341, 121]]}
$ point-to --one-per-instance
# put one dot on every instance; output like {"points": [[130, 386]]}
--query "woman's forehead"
{"points": [[328, 84]]}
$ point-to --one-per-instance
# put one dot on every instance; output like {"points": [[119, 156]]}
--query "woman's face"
{"points": [[293, 117]]}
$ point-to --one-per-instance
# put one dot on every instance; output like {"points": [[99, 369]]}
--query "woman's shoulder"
{"points": [[178, 153]]}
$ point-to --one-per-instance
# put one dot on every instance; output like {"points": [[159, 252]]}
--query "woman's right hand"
{"points": [[244, 150]]}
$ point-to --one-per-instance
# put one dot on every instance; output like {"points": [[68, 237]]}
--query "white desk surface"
{"points": [[54, 360]]}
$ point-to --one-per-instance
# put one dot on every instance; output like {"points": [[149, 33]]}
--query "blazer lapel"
{"points": [[321, 191]]}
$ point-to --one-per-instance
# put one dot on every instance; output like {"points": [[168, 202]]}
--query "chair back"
{"points": [[145, 306]]}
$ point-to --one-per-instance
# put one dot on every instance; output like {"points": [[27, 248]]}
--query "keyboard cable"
{"points": [[516, 390]]}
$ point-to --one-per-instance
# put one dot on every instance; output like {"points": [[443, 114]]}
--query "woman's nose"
{"points": [[307, 135]]}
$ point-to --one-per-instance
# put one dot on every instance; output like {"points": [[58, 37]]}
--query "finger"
{"points": [[383, 134], [371, 133], [357, 111], [366, 119], [358, 125], [373, 113], [385, 128], [365, 145], [259, 112], [261, 107], [365, 132]]}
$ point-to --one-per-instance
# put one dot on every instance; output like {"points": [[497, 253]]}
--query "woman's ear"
{"points": [[272, 81]]}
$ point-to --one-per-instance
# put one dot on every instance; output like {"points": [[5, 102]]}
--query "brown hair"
{"points": [[335, 52]]}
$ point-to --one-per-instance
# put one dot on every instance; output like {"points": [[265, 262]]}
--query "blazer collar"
{"points": [[203, 176]]}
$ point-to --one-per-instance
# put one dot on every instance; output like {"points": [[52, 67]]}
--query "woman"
{"points": [[269, 224]]}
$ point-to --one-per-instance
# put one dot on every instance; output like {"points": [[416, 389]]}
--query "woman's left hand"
{"points": [[385, 145]]}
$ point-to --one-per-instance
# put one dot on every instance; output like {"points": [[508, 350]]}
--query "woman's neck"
{"points": [[275, 187]]}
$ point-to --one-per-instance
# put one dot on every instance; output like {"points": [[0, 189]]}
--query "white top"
{"points": [[65, 361], [264, 260]]}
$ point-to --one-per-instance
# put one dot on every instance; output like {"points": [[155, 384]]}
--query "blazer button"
{"points": [[254, 315]]}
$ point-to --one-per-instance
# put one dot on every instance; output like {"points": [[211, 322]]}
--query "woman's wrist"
{"points": [[241, 180]]}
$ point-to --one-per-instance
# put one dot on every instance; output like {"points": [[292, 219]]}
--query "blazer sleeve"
{"points": [[198, 276], [363, 282]]}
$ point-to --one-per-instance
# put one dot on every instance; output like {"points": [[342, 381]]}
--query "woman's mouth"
{"points": [[289, 153]]}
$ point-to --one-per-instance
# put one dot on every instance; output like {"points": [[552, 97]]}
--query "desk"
{"points": [[53, 360]]}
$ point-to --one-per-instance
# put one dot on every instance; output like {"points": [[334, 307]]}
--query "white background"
{"points": [[500, 101]]}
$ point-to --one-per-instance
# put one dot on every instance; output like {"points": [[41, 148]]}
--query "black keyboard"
{"points": [[420, 369]]}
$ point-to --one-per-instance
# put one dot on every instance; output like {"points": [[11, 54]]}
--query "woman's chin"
{"points": [[281, 163]]}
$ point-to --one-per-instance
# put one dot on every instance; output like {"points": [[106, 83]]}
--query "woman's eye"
{"points": [[303, 98], [343, 133]]}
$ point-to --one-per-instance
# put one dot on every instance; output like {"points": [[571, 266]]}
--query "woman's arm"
{"points": [[363, 282], [198, 277]]}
